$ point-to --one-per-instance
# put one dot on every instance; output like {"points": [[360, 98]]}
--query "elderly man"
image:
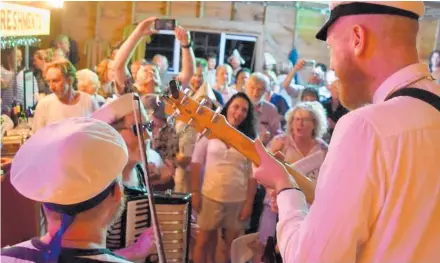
{"points": [[65, 102], [88, 82], [268, 122], [79, 188], [377, 197]]}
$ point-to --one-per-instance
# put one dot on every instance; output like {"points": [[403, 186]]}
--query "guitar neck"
{"points": [[246, 146]]}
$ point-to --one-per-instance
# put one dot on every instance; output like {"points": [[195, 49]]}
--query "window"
{"points": [[245, 46], [204, 43]]}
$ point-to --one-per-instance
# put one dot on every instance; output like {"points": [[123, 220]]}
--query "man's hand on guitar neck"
{"points": [[271, 173]]}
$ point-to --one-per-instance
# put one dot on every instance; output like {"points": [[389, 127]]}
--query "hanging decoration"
{"points": [[10, 42]]}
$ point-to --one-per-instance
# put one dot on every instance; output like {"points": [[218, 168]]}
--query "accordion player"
{"points": [[173, 213]]}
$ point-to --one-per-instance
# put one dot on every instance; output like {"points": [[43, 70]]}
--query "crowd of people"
{"points": [[231, 198]]}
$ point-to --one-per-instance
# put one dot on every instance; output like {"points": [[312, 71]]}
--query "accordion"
{"points": [[173, 213], [10, 145]]}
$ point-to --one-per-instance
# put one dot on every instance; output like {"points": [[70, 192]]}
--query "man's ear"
{"points": [[358, 40], [117, 191], [70, 81]]}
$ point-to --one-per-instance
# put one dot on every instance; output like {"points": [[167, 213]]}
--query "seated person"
{"points": [[80, 191], [163, 137], [120, 115]]}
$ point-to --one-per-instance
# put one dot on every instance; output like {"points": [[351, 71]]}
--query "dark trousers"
{"points": [[257, 210]]}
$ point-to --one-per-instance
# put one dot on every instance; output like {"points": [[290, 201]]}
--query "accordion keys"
{"points": [[173, 215]]}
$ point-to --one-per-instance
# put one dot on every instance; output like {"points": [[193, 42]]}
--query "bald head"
{"points": [[366, 50]]}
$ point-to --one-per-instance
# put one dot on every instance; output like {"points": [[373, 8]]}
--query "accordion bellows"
{"points": [[173, 214]]}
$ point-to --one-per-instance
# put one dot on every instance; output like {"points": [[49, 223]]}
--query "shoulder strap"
{"points": [[424, 95]]}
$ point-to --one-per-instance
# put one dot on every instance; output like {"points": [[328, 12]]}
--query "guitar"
{"points": [[211, 124]]}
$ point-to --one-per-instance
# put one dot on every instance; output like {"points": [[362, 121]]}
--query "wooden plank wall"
{"points": [[274, 23]]}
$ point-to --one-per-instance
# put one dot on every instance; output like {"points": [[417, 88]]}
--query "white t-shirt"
{"points": [[226, 171], [50, 109]]}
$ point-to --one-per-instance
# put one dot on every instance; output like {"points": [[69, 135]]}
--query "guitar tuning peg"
{"points": [[201, 104], [216, 113], [188, 125], [186, 93], [205, 133], [171, 118]]}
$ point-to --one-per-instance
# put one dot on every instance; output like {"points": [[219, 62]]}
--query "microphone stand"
{"points": [[142, 147]]}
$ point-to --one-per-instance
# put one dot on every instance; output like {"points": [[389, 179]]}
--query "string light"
{"points": [[56, 3], [10, 42]]}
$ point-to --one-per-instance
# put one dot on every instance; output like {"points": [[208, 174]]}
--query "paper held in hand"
{"points": [[309, 164]]}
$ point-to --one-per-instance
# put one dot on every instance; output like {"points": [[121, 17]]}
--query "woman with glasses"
{"points": [[305, 128]]}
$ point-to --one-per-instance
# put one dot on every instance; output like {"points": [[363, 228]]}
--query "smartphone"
{"points": [[309, 63], [165, 24]]}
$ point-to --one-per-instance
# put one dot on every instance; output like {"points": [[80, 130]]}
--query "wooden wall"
{"points": [[274, 24]]}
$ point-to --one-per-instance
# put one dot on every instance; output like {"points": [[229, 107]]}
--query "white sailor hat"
{"points": [[241, 248], [120, 107], [69, 162], [410, 9], [236, 54]]}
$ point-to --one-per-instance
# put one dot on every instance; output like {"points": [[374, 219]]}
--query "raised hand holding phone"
{"points": [[164, 24], [146, 26]]}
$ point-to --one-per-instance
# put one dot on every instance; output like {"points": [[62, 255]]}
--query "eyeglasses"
{"points": [[134, 128], [303, 119]]}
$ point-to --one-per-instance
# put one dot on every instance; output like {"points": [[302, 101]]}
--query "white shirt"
{"points": [[227, 171], [50, 109], [187, 142], [226, 92], [210, 77], [378, 193]]}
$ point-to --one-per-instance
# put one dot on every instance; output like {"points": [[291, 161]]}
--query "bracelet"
{"points": [[288, 188], [189, 45]]}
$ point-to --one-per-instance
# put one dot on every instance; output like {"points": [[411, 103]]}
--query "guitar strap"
{"points": [[423, 95]]}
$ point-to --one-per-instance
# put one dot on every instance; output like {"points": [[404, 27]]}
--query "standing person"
{"points": [[148, 77], [225, 197], [381, 173], [434, 64], [212, 64], [334, 108], [119, 114], [65, 101]]}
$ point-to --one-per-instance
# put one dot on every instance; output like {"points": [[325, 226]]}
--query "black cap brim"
{"points": [[361, 8], [322, 33]]}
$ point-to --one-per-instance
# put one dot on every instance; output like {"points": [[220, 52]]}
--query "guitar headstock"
{"points": [[180, 105]]}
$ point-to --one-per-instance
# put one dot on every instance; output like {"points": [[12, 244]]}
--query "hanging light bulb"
{"points": [[56, 3]]}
